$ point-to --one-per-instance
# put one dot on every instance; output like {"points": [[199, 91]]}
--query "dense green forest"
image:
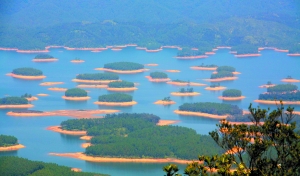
{"points": [[98, 76], [187, 51], [226, 68], [211, 108], [13, 101], [121, 84], [86, 124], [75, 92], [6, 140], [140, 137], [124, 66], [158, 75], [43, 56], [288, 96], [221, 74], [13, 166], [282, 88], [27, 71], [232, 93], [115, 97], [154, 142], [152, 24]]}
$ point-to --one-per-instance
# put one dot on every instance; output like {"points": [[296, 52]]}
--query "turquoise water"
{"points": [[31, 131]]}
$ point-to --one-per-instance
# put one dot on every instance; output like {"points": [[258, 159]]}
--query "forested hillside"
{"points": [[34, 24]]}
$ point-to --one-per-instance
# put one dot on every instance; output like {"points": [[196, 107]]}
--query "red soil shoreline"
{"points": [[185, 93], [12, 148], [125, 89], [94, 81], [191, 57], [131, 103], [45, 60], [157, 80], [222, 79], [16, 106], [272, 102], [76, 98], [203, 68], [247, 55], [161, 102], [58, 89], [231, 98], [215, 88], [84, 157], [122, 71], [290, 80], [26, 77], [189, 113], [185, 83]]}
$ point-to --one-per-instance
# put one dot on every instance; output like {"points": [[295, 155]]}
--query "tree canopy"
{"points": [[221, 74], [158, 75], [6, 140], [13, 101], [43, 56], [115, 97], [27, 71], [121, 84], [75, 92], [226, 68], [211, 108], [98, 76], [124, 66], [232, 93]]}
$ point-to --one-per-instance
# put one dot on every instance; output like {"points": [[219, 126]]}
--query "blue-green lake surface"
{"points": [[31, 131]]}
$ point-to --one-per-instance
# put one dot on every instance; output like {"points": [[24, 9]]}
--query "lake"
{"points": [[31, 131]]}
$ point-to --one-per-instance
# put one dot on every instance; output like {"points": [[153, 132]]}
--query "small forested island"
{"points": [[123, 67], [121, 86], [209, 109], [205, 67], [158, 77], [165, 101], [76, 94], [9, 143], [231, 95], [27, 73], [141, 139], [290, 79], [14, 102], [185, 92], [215, 87], [189, 53], [245, 50], [269, 84], [179, 82], [12, 165], [77, 60], [115, 99], [288, 93], [221, 76], [103, 78], [29, 97], [44, 58]]}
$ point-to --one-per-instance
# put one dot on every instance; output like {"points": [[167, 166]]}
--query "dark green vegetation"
{"points": [[121, 84], [13, 166], [167, 99], [186, 51], [27, 71], [288, 96], [124, 66], [285, 92], [140, 137], [115, 97], [208, 66], [221, 74], [180, 81], [13, 101], [75, 92], [232, 93], [226, 68], [282, 88], [6, 140], [32, 25], [98, 76], [187, 90], [275, 150], [26, 95], [43, 56], [158, 75], [211, 108]]}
